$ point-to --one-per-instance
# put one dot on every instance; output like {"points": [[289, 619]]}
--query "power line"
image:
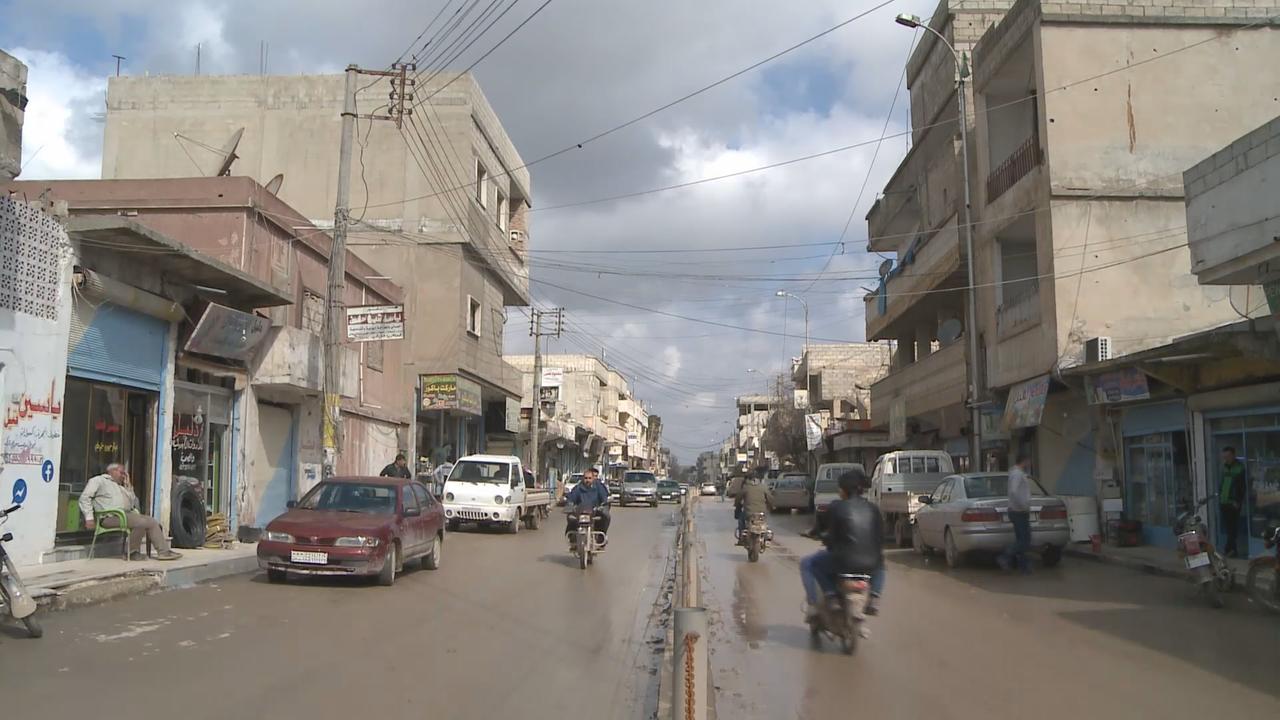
{"points": [[480, 59]]}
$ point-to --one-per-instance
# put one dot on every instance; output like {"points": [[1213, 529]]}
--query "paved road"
{"points": [[508, 628], [1082, 640]]}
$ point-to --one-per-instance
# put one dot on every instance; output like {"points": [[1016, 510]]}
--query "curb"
{"points": [[1144, 566], [94, 591]]}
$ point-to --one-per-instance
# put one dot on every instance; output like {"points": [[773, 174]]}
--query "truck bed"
{"points": [[536, 497]]}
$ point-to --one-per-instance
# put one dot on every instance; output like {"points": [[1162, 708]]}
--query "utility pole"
{"points": [[331, 425], [535, 412]]}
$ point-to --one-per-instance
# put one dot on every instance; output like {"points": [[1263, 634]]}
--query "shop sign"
{"points": [[742, 457], [549, 394], [369, 323], [813, 430], [1118, 386], [227, 333], [848, 440], [801, 399], [1026, 403], [513, 415], [552, 377], [450, 392]]}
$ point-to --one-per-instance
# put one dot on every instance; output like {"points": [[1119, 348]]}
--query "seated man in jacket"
{"points": [[590, 494], [854, 539]]}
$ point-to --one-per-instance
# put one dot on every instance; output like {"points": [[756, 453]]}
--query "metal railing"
{"points": [[1020, 162], [689, 670]]}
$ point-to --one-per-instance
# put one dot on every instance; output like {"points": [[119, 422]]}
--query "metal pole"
{"points": [[689, 684], [975, 415], [332, 425], [535, 413]]}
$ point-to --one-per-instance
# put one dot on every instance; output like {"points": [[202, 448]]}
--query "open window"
{"points": [[473, 316]]}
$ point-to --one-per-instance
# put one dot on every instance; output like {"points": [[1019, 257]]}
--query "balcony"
{"points": [[936, 382], [1021, 161], [1018, 314], [917, 289]]}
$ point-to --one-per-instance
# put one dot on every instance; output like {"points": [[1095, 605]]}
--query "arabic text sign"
{"points": [[369, 323], [450, 392], [552, 377], [1118, 386], [1026, 403]]}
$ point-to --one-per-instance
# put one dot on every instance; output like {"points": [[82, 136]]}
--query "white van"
{"points": [[899, 479]]}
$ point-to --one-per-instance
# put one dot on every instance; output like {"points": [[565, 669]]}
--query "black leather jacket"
{"points": [[855, 534]]}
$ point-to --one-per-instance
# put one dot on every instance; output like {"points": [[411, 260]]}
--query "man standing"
{"points": [[1231, 498], [1020, 516], [397, 469], [111, 491]]}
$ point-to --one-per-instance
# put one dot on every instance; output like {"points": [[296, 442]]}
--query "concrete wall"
{"points": [[13, 102]]}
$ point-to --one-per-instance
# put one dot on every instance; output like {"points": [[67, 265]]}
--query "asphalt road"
{"points": [[1078, 641], [509, 627]]}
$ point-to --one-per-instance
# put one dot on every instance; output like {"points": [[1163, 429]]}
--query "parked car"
{"points": [[684, 488], [640, 486], [969, 513], [615, 491], [355, 526], [708, 488], [793, 491], [668, 491]]}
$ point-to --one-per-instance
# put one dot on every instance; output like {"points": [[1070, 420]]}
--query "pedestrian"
{"points": [[112, 491], [397, 469], [1231, 498], [1020, 516]]}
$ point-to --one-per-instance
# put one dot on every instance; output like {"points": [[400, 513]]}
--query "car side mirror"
{"points": [[291, 504], [412, 512], [925, 500]]}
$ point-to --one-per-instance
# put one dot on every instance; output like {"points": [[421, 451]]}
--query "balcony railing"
{"points": [[1014, 168], [1019, 313], [928, 384]]}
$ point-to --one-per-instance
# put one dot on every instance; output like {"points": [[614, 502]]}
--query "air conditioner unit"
{"points": [[1097, 349]]}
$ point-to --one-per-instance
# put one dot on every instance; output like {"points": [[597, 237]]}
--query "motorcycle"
{"points": [[18, 602], [585, 542], [1201, 558], [1263, 580], [841, 616], [756, 536]]}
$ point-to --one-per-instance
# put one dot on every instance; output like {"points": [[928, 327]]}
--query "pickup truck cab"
{"points": [[494, 490]]}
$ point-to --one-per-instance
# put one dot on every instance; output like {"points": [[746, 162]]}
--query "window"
{"points": [[482, 185], [373, 352], [931, 465], [409, 498], [473, 316], [943, 493], [424, 497], [312, 312], [351, 497], [502, 211], [917, 465]]}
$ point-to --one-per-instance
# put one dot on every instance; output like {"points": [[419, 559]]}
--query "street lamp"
{"points": [[805, 305], [962, 72]]}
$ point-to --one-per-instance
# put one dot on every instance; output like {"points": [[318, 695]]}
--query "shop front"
{"points": [[1254, 434], [450, 413], [1023, 410], [1157, 475]]}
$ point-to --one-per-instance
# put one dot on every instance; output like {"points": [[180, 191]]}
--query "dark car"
{"points": [[355, 526], [668, 491]]}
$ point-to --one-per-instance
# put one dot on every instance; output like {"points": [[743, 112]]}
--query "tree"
{"points": [[784, 435]]}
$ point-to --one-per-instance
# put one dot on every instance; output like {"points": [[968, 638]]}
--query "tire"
{"points": [[187, 518], [1223, 577], [431, 561], [513, 527], [954, 558], [276, 576], [753, 550], [1051, 556], [387, 577], [34, 630], [1260, 571], [582, 558], [901, 533], [917, 543], [591, 558], [849, 640]]}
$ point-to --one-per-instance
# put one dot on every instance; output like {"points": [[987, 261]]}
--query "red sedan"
{"points": [[355, 526]]}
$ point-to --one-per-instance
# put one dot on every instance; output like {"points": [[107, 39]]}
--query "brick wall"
{"points": [[1208, 10], [847, 371], [1247, 152]]}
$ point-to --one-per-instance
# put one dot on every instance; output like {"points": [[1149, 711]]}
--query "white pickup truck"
{"points": [[494, 490]]}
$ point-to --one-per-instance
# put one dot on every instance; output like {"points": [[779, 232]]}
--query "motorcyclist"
{"points": [[754, 497], [854, 539], [590, 494]]}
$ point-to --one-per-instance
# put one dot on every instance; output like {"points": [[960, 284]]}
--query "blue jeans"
{"points": [[818, 575], [1016, 554]]}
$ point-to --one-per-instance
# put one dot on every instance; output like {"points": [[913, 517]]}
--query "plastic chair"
{"points": [[122, 522]]}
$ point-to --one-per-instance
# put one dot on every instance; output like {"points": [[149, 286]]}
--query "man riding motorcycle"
{"points": [[854, 539], [755, 497], [590, 494]]}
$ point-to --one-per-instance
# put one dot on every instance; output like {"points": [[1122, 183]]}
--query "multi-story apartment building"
{"points": [[753, 418], [13, 104], [839, 379], [439, 206]]}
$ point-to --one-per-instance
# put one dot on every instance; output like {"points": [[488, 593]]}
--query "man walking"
{"points": [[397, 469], [111, 491], [1231, 498], [1020, 516]]}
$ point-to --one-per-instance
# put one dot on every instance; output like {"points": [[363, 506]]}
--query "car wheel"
{"points": [[917, 542], [901, 531], [513, 527], [387, 577], [34, 629], [1051, 556], [276, 576], [954, 558], [432, 560]]}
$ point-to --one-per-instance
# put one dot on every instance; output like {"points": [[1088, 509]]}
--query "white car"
{"points": [[708, 488]]}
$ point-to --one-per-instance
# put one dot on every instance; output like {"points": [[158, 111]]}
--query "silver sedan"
{"points": [[970, 512]]}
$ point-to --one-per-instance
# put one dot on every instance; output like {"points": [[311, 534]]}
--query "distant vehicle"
{"points": [[899, 479], [494, 490], [708, 488], [826, 489], [355, 526], [569, 485], [668, 491], [793, 492], [615, 491], [970, 512], [640, 486], [684, 488]]}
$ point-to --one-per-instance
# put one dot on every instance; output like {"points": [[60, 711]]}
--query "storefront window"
{"points": [[1256, 440], [1158, 478], [201, 418]]}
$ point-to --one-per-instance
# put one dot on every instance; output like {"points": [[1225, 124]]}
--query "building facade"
{"points": [[13, 105]]}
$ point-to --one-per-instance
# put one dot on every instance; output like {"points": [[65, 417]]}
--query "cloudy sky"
{"points": [[580, 67]]}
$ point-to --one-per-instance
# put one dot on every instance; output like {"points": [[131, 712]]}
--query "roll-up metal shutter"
{"points": [[115, 344]]}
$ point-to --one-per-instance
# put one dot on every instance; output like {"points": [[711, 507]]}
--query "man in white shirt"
{"points": [[1019, 516], [111, 491]]}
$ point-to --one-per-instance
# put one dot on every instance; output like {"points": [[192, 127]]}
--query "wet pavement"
{"points": [[1080, 640], [509, 627]]}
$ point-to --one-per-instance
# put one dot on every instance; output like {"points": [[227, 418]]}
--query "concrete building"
{"points": [[573, 426], [270, 391], [441, 209], [753, 417], [13, 105], [840, 378]]}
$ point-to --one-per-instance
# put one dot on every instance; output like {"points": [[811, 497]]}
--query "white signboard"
{"points": [[552, 377], [813, 430], [369, 323], [802, 399]]}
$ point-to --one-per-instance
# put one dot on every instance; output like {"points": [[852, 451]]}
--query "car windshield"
{"points": [[994, 486], [639, 478], [476, 471], [827, 486], [575, 478], [668, 485], [351, 497]]}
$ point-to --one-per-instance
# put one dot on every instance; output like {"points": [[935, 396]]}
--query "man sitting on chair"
{"points": [[112, 491]]}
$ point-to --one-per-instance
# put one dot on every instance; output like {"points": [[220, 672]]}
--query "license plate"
{"points": [[1197, 560], [309, 558]]}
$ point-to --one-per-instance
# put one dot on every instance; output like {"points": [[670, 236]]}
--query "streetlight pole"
{"points": [[975, 417], [805, 305]]}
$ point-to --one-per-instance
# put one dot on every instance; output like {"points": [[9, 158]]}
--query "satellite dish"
{"points": [[229, 154], [949, 331], [885, 267], [273, 185]]}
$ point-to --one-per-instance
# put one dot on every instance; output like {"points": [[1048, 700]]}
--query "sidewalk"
{"points": [[1150, 559], [61, 585]]}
